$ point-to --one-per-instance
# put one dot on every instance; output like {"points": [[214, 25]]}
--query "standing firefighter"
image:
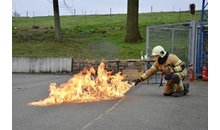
{"points": [[174, 69]]}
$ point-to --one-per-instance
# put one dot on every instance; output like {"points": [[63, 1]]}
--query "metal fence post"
{"points": [[196, 46], [172, 39], [192, 45], [189, 46], [147, 47]]}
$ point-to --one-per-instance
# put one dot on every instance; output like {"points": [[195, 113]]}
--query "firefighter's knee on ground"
{"points": [[167, 94], [175, 78]]}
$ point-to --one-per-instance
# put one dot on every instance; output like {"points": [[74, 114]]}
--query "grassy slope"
{"points": [[83, 37]]}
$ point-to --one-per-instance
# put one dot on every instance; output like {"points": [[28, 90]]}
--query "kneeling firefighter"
{"points": [[174, 69]]}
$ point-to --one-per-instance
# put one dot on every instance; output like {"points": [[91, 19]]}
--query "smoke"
{"points": [[101, 49]]}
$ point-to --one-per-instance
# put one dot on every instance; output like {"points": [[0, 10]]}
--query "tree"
{"points": [[15, 14], [133, 34], [58, 35]]}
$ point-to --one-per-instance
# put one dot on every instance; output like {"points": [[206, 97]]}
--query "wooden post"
{"points": [[34, 17], [85, 16]]}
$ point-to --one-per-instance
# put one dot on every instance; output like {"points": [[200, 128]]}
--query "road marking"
{"points": [[90, 123]]}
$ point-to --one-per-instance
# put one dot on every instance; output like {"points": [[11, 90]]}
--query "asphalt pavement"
{"points": [[145, 108]]}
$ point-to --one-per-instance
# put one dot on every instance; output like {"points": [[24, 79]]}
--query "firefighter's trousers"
{"points": [[171, 87]]}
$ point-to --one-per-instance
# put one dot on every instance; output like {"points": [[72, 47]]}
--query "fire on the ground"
{"points": [[83, 87]]}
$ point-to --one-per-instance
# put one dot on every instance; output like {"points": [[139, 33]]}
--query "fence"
{"points": [[181, 39], [22, 64], [41, 64]]}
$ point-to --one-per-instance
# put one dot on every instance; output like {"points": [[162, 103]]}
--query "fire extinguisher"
{"points": [[191, 73], [205, 74]]}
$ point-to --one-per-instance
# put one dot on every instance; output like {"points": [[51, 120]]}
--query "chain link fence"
{"points": [[173, 37], [181, 39]]}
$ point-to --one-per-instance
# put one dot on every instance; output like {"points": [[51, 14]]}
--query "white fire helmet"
{"points": [[159, 50]]}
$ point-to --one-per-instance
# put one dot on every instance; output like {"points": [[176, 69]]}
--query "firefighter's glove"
{"points": [[168, 76], [136, 81]]}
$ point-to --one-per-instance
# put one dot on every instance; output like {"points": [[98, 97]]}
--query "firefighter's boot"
{"points": [[178, 94], [186, 88]]}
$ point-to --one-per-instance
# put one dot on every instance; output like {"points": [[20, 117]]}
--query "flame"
{"points": [[83, 87]]}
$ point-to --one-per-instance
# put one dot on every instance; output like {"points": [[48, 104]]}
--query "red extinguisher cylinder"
{"points": [[205, 74], [191, 74]]}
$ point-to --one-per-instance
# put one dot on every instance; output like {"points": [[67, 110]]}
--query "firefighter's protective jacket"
{"points": [[172, 64]]}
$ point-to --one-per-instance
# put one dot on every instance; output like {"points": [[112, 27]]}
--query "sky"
{"points": [[45, 7]]}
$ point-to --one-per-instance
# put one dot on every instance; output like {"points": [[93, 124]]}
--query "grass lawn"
{"points": [[87, 37]]}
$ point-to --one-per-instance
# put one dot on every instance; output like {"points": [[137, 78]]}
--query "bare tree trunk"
{"points": [[133, 34], [58, 35]]}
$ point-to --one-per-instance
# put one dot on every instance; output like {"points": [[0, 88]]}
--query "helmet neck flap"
{"points": [[162, 60]]}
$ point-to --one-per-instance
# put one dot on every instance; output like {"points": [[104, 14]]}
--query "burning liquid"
{"points": [[83, 87]]}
